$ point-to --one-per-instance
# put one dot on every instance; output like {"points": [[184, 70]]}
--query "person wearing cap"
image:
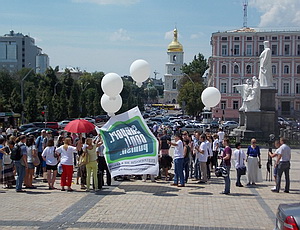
{"points": [[39, 145]]}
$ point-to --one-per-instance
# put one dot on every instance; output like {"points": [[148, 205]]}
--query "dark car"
{"points": [[38, 131], [101, 118], [288, 216], [22, 128], [214, 125], [29, 130], [52, 125]]}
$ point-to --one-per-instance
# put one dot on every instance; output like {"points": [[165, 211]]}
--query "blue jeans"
{"points": [[227, 180], [197, 170], [21, 174], [186, 169], [179, 164]]}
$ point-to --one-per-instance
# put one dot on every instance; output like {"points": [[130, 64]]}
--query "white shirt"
{"points": [[29, 153], [178, 152], [9, 131], [239, 157], [48, 153], [202, 157], [285, 152], [216, 145], [221, 135], [66, 156], [209, 150]]}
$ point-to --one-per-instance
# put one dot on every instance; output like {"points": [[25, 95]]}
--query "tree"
{"points": [[191, 85]]}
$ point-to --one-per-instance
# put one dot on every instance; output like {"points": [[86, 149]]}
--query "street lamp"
{"points": [[22, 92]]}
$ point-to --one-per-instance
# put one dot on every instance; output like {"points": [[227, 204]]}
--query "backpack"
{"points": [[16, 154]]}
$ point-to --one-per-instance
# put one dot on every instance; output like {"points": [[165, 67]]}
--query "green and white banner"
{"points": [[130, 146]]}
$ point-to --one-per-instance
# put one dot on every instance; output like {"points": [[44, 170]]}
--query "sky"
{"points": [[108, 35]]}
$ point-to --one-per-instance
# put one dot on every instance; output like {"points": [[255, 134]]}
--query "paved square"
{"points": [[145, 205]]}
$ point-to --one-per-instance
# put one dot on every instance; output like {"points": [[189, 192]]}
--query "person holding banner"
{"points": [[178, 160]]}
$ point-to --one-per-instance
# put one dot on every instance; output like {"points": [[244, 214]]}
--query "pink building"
{"points": [[235, 58]]}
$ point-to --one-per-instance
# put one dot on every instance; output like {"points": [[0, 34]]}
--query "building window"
{"points": [[236, 69], [249, 38], [286, 69], [224, 50], [287, 38], [298, 49], [174, 84], [174, 58], [223, 87], [249, 50], [286, 49], [248, 69], [297, 88], [236, 50], [234, 88], [261, 49], [286, 88], [224, 38], [274, 38], [236, 38], [274, 69], [235, 105], [298, 69], [261, 38], [223, 104], [224, 69], [274, 49]]}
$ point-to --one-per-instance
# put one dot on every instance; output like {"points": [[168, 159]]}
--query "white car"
{"points": [[90, 120], [63, 124]]}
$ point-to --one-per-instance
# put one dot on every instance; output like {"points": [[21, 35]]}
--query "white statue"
{"points": [[252, 102], [250, 95], [265, 72]]}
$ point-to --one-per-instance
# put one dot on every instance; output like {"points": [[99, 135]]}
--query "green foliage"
{"points": [[191, 85]]}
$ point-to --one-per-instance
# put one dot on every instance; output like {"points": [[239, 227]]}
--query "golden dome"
{"points": [[175, 46]]}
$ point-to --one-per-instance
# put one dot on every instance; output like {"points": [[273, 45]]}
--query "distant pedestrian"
{"points": [[178, 161], [239, 157], [274, 155], [8, 178], [51, 158], [21, 164], [227, 164], [254, 162], [187, 153], [221, 135], [31, 152], [283, 164]]}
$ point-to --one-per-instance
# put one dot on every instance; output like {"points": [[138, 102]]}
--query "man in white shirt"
{"points": [[221, 135], [202, 158], [283, 165]]}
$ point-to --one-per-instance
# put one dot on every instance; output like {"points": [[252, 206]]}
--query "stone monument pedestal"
{"points": [[259, 124]]}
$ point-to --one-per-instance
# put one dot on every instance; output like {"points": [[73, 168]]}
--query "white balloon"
{"points": [[211, 96], [109, 105], [140, 71], [112, 85]]}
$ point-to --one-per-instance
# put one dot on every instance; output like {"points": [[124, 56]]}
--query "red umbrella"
{"points": [[79, 126]]}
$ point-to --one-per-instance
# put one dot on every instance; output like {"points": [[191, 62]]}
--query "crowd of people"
{"points": [[199, 154], [23, 159], [195, 157]]}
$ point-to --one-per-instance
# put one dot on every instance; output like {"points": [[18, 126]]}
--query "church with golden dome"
{"points": [[173, 70]]}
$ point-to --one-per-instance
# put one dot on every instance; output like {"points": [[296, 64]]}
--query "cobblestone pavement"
{"points": [[145, 205]]}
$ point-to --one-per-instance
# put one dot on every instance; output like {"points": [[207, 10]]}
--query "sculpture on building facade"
{"points": [[265, 71], [250, 95]]}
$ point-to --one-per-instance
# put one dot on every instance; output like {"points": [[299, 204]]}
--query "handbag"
{"points": [[59, 168], [243, 168], [6, 157], [36, 160], [83, 159]]}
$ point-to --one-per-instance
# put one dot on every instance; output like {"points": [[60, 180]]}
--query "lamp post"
{"points": [[22, 92]]}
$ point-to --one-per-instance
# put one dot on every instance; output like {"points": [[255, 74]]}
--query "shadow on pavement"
{"points": [[111, 193], [201, 193], [241, 194], [154, 189], [36, 192], [164, 194]]}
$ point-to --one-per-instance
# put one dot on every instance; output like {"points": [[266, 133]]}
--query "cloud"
{"points": [[109, 2], [120, 35], [170, 35], [285, 13]]}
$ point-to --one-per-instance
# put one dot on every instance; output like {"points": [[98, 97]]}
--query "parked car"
{"points": [[214, 125], [190, 128], [288, 216], [101, 118], [152, 114], [52, 125], [38, 131], [28, 130], [26, 126], [63, 124], [283, 123], [230, 125], [39, 124], [146, 115], [90, 120]]}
